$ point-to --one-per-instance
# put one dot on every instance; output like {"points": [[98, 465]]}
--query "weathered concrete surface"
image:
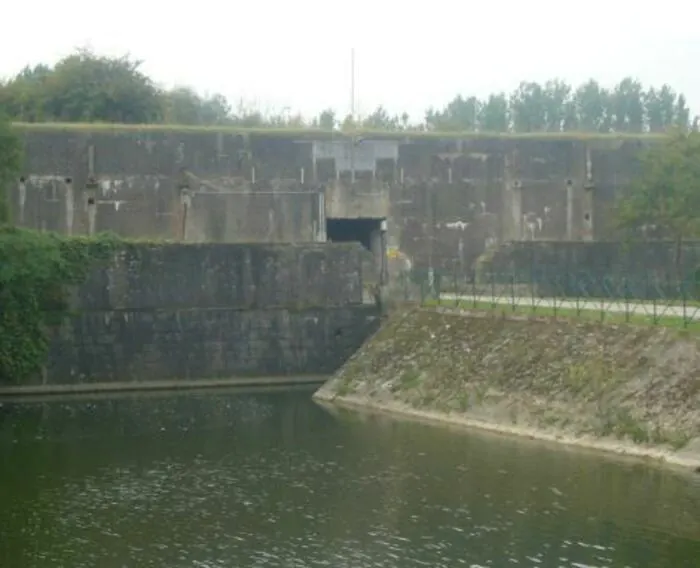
{"points": [[445, 199], [273, 217], [167, 312], [627, 389]]}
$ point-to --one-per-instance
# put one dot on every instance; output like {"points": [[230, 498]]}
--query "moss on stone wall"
{"points": [[578, 379], [37, 271]]}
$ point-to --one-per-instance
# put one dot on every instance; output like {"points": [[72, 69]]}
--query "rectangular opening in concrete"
{"points": [[362, 230]]}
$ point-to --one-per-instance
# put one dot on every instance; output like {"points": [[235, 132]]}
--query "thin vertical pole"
{"points": [[352, 114], [352, 84]]}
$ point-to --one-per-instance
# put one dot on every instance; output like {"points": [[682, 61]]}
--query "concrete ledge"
{"points": [[193, 384]]}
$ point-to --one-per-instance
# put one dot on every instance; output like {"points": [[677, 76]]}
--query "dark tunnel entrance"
{"points": [[362, 230], [370, 232]]}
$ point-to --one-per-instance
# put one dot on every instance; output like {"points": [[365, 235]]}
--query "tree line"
{"points": [[87, 87]]}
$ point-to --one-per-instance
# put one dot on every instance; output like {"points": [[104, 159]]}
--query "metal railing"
{"points": [[549, 293]]}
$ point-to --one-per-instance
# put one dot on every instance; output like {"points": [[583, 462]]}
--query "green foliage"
{"points": [[36, 273], [459, 114], [85, 87], [10, 157], [664, 200], [326, 120], [494, 114], [184, 106], [381, 119], [556, 107]]}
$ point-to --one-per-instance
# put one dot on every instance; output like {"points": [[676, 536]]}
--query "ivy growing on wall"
{"points": [[10, 160], [37, 271]]}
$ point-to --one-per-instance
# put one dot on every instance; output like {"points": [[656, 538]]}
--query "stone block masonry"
{"points": [[178, 311]]}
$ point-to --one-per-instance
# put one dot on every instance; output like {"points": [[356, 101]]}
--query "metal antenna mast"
{"points": [[352, 83]]}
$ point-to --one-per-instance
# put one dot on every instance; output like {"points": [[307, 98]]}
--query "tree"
{"points": [[10, 158], [494, 116], [88, 87], [459, 114], [559, 109], [381, 120], [326, 120], [23, 98], [184, 106], [627, 105], [660, 108], [528, 107], [681, 115], [591, 103], [349, 123], [664, 200]]}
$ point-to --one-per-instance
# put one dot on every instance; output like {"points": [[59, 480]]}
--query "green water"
{"points": [[271, 479]]}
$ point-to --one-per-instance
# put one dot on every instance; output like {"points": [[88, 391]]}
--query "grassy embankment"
{"points": [[617, 387]]}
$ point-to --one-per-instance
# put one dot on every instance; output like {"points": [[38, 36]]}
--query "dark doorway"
{"points": [[361, 230]]}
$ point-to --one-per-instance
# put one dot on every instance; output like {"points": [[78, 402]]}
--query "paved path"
{"points": [[691, 312]]}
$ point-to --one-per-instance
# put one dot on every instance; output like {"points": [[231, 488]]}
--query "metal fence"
{"points": [[655, 300]]}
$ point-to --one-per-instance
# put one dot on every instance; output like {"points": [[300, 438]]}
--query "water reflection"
{"points": [[270, 479]]}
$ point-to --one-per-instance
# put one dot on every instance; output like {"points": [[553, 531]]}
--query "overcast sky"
{"points": [[409, 55]]}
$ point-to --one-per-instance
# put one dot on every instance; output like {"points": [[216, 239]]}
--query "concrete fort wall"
{"points": [[187, 311], [445, 199]]}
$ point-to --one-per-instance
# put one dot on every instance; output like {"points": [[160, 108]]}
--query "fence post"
{"points": [[455, 288], [512, 289], [602, 291], [532, 287], [554, 284], [577, 288], [685, 302], [627, 299]]}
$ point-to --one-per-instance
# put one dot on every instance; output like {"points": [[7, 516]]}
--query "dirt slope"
{"points": [[563, 379]]}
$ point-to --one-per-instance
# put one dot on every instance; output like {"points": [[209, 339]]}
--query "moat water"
{"points": [[253, 479]]}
